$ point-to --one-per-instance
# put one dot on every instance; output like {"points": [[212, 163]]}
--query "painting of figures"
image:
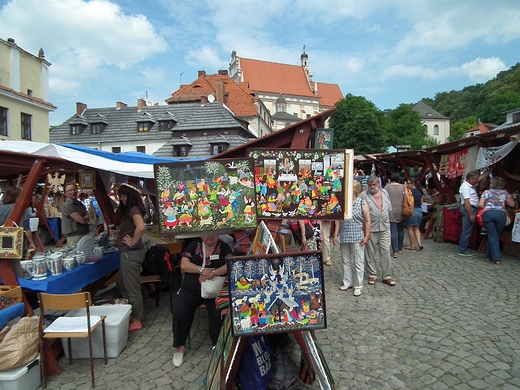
{"points": [[276, 293], [217, 195], [307, 183]]}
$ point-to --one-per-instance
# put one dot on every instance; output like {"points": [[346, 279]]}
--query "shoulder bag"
{"points": [[211, 287], [407, 203]]}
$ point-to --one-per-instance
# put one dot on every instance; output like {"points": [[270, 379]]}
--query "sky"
{"points": [[389, 51]]}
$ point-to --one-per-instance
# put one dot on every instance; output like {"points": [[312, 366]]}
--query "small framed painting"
{"points": [[87, 180], [276, 293], [324, 138]]}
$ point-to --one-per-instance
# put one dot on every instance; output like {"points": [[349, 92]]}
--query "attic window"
{"points": [[218, 148], [97, 128], [76, 129], [429, 114], [143, 127], [166, 125], [180, 151], [516, 117]]}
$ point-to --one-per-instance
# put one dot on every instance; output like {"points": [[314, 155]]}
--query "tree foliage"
{"points": [[405, 128], [358, 124]]}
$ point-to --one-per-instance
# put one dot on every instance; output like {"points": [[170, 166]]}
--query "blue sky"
{"points": [[389, 51]]}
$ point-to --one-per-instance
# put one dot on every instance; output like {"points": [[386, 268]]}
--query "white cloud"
{"points": [[207, 58], [479, 70], [80, 35]]}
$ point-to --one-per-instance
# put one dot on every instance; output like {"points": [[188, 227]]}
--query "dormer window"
{"points": [[180, 151], [97, 128], [76, 129], [166, 125], [218, 148], [143, 127]]}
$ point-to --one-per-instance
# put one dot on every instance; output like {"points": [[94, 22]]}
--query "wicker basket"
{"points": [[10, 295]]}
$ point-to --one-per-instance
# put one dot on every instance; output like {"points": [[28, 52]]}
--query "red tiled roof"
{"points": [[482, 127], [287, 79], [25, 96], [275, 78], [240, 99], [330, 94]]}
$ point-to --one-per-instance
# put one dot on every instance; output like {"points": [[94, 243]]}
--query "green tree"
{"points": [[458, 130], [358, 124], [405, 128]]}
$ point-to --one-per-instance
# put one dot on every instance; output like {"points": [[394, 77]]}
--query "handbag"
{"points": [[210, 288], [297, 234], [11, 242], [479, 217], [407, 203]]}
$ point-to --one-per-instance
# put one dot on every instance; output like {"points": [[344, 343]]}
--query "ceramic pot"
{"points": [[39, 268], [55, 263], [27, 268], [69, 263]]}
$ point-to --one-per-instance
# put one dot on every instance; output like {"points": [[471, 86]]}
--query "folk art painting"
{"points": [[324, 138], [276, 293], [308, 183], [205, 196]]}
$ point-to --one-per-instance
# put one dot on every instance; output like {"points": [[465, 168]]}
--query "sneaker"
{"points": [[357, 292], [178, 359], [345, 288], [465, 253]]}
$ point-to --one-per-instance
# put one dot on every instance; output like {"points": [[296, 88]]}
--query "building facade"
{"points": [[436, 124], [182, 130], [269, 81], [24, 94]]}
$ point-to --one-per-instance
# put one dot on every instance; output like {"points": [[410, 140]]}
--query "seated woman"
{"points": [[196, 270]]}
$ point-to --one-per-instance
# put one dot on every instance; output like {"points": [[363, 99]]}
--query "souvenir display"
{"points": [[276, 293], [205, 196], [303, 183]]}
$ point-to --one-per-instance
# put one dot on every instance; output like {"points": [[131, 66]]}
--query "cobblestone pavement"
{"points": [[451, 322]]}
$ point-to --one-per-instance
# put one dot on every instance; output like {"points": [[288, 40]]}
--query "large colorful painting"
{"points": [[276, 293], [205, 196], [307, 183]]}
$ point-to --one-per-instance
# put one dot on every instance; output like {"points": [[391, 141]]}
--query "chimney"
{"points": [[140, 104], [80, 108], [202, 73], [222, 72], [203, 99], [121, 105], [220, 92]]}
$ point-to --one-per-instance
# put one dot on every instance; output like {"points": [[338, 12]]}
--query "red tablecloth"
{"points": [[453, 228]]}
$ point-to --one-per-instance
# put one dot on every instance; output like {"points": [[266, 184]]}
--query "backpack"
{"points": [[157, 262]]}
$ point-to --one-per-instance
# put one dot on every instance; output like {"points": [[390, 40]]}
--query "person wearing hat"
{"points": [[130, 216], [74, 216]]}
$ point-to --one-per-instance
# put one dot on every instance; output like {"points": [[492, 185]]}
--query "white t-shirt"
{"points": [[467, 191]]}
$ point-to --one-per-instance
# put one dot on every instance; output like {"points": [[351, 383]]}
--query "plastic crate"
{"points": [[21, 378], [116, 325]]}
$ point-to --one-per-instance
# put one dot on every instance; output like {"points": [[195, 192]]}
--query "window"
{"points": [[76, 129], [140, 149], [180, 151], [436, 130], [29, 92], [165, 125], [218, 149], [296, 115], [308, 115], [516, 117], [3, 121], [26, 126], [143, 127], [96, 128], [116, 149]]}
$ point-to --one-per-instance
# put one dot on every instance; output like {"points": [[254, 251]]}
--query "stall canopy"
{"points": [[127, 163]]}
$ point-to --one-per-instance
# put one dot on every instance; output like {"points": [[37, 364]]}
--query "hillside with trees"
{"points": [[485, 102]]}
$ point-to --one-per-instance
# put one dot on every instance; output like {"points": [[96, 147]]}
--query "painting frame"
{"points": [[268, 295], [205, 197], [11, 242], [324, 138], [303, 183], [87, 180]]}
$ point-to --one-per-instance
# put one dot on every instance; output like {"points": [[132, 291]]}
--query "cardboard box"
{"points": [[116, 325], [21, 378]]}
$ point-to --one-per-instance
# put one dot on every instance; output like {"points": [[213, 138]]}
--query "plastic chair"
{"points": [[69, 302]]}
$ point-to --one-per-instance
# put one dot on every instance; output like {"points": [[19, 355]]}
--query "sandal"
{"points": [[421, 247], [410, 248], [328, 262], [389, 282], [371, 280], [394, 255]]}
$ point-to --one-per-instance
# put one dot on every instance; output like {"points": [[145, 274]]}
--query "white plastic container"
{"points": [[116, 325], [21, 378]]}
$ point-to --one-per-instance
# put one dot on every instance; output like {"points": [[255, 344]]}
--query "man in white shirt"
{"points": [[469, 207]]}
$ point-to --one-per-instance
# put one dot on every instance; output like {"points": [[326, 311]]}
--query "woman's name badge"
{"points": [[214, 257]]}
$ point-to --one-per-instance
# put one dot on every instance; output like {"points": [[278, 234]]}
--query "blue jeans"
{"points": [[467, 228], [397, 235], [494, 222]]}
